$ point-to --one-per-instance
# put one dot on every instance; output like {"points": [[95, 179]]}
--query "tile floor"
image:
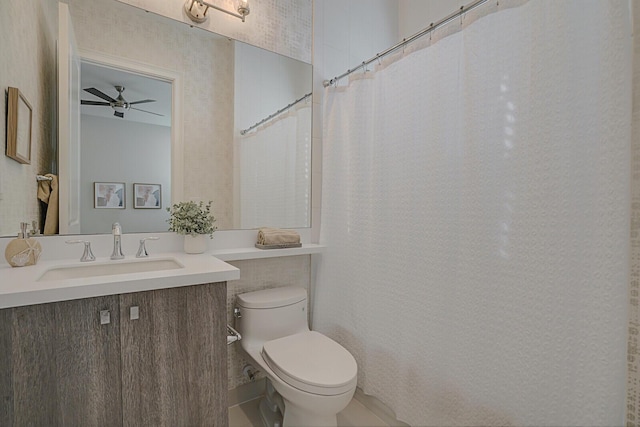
{"points": [[354, 415]]}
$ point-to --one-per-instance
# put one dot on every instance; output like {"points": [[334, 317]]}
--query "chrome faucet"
{"points": [[116, 230]]}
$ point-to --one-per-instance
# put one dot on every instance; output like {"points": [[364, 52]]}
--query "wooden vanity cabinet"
{"points": [[59, 366]]}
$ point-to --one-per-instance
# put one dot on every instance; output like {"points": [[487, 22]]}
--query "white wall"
{"points": [[416, 15], [115, 150]]}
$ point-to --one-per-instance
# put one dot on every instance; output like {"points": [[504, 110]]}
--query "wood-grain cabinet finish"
{"points": [[59, 366]]}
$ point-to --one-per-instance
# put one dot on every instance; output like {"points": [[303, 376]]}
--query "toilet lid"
{"points": [[312, 362]]}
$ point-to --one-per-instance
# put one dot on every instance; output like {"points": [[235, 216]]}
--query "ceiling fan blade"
{"points": [[150, 112], [99, 94], [118, 114], [85, 102], [142, 102]]}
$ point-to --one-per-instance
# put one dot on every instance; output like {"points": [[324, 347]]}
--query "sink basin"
{"points": [[109, 268]]}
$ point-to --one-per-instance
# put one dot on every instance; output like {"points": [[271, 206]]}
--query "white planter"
{"points": [[196, 244]]}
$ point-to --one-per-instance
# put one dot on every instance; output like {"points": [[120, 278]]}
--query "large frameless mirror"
{"points": [[183, 113]]}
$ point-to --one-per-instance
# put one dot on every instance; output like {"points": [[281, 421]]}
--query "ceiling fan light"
{"points": [[118, 111]]}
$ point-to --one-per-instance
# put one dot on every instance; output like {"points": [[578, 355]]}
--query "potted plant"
{"points": [[194, 221]]}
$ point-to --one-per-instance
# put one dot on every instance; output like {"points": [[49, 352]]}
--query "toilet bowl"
{"points": [[315, 376]]}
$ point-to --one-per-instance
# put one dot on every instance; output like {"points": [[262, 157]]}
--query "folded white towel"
{"points": [[277, 236]]}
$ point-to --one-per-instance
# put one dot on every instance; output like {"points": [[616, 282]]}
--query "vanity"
{"points": [[81, 346]]}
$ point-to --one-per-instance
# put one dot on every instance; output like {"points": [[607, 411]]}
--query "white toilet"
{"points": [[315, 376]]}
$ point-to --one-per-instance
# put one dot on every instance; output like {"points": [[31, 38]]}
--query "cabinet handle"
{"points": [[105, 317], [134, 312]]}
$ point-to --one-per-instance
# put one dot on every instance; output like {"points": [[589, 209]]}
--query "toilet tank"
{"points": [[271, 313]]}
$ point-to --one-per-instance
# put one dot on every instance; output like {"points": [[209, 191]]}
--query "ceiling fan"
{"points": [[119, 104]]}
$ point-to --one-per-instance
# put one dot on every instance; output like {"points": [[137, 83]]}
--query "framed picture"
{"points": [[108, 195], [19, 118], [147, 196]]}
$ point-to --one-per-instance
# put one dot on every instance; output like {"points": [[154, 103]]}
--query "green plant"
{"points": [[191, 218]]}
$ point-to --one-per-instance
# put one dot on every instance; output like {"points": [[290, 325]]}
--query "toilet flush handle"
{"points": [[236, 313], [233, 335]]}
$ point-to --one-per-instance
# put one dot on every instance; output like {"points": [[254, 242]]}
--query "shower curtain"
{"points": [[476, 215], [275, 165]]}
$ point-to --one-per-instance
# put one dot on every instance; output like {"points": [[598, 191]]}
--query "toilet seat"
{"points": [[312, 362]]}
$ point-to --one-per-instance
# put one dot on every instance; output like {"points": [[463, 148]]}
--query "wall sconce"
{"points": [[197, 10]]}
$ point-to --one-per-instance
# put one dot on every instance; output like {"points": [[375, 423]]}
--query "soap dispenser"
{"points": [[24, 250]]}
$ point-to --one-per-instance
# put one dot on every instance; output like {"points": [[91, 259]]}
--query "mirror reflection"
{"points": [[221, 87], [124, 140]]}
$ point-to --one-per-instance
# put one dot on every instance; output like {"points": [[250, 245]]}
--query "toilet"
{"points": [[313, 376]]}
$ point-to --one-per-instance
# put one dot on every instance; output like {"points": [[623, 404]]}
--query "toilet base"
{"points": [[271, 407], [303, 409], [269, 418], [296, 417]]}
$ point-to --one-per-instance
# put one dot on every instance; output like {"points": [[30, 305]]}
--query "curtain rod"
{"points": [[242, 132], [404, 42]]}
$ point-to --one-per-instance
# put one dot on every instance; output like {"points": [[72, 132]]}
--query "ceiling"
{"points": [[137, 87]]}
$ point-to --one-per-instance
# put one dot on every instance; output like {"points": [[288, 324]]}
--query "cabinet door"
{"points": [[174, 357], [88, 387], [59, 366], [30, 384]]}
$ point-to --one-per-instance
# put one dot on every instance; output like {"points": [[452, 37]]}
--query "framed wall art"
{"points": [[147, 196], [19, 122], [108, 195]]}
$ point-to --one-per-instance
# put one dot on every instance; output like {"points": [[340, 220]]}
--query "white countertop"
{"points": [[20, 286], [238, 254]]}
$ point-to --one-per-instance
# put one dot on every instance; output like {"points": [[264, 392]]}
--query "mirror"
{"points": [[260, 178]]}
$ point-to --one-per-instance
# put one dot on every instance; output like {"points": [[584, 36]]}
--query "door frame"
{"points": [[172, 77]]}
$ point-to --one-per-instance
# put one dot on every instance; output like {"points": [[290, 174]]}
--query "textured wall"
{"points": [[206, 67], [256, 275], [633, 346], [282, 26], [28, 31]]}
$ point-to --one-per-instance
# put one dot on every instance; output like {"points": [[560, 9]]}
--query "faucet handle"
{"points": [[87, 255], [142, 249]]}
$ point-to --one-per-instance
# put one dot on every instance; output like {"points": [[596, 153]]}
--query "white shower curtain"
{"points": [[275, 164], [476, 214]]}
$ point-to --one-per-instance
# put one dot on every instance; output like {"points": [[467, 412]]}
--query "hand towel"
{"points": [[48, 193], [277, 236]]}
